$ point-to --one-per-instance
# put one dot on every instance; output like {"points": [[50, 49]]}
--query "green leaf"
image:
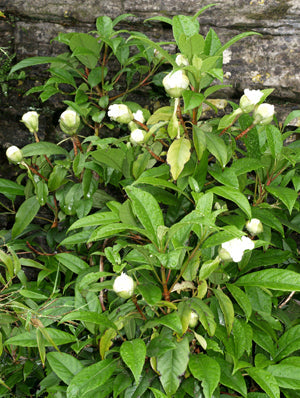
{"points": [[236, 382], [208, 267], [277, 279], [268, 217], [192, 100], [172, 321], [234, 40], [86, 48], [178, 155], [274, 139], [121, 382], [74, 263], [288, 343], [157, 393], [173, 364], [265, 380], [57, 177], [287, 196], [89, 379], [111, 157], [8, 187], [104, 26], [199, 139], [235, 196], [184, 25], [207, 370], [192, 45], [43, 148], [159, 346], [100, 218], [241, 298], [217, 148], [226, 308], [151, 293], [245, 165], [133, 354], [147, 210], [88, 316], [25, 214], [28, 339], [287, 373], [65, 366], [290, 117], [33, 295], [31, 61]]}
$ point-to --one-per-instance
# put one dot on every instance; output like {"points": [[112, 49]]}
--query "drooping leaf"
{"points": [[43, 148], [74, 263], [173, 364], [288, 343], [265, 380], [277, 279], [226, 308], [287, 196], [28, 339], [89, 379], [207, 370], [178, 155], [133, 353], [241, 298], [25, 214], [8, 187], [64, 365], [287, 373]]}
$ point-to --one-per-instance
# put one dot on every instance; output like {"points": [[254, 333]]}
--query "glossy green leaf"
{"points": [[274, 139], [226, 308], [25, 214], [199, 139], [173, 364], [184, 25], [235, 196], [172, 321], [234, 381], [8, 187], [28, 339], [159, 346], [88, 316], [287, 373], [178, 155], [205, 314], [101, 218], [121, 382], [151, 293], [265, 380], [157, 393], [288, 343], [89, 379], [31, 61], [207, 370], [74, 263], [133, 353], [43, 148], [241, 298], [286, 195], [192, 99], [111, 157], [277, 279], [208, 267], [147, 210], [217, 148], [64, 365]]}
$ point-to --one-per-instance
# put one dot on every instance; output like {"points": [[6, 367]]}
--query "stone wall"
{"points": [[271, 60]]}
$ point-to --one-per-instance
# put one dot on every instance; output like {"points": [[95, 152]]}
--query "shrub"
{"points": [[167, 258]]}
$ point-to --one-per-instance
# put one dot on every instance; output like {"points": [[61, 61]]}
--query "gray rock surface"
{"points": [[271, 60]]}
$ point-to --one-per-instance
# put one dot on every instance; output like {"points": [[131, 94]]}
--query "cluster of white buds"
{"points": [[14, 154], [31, 121], [120, 113], [234, 248], [175, 83], [69, 121], [124, 286]]}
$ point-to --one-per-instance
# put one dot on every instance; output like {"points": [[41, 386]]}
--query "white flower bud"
{"points": [[193, 319], [124, 286], [263, 114], [69, 121], [31, 121], [254, 226], [175, 83], [181, 60], [120, 113], [139, 116], [14, 154], [250, 99], [234, 248], [137, 136]]}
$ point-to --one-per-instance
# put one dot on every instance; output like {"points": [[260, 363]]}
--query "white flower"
{"points": [[69, 121], [181, 60], [14, 154], [120, 113], [139, 116], [193, 319], [254, 226], [175, 83], [124, 286], [234, 248], [31, 121], [263, 114], [250, 99], [137, 136]]}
